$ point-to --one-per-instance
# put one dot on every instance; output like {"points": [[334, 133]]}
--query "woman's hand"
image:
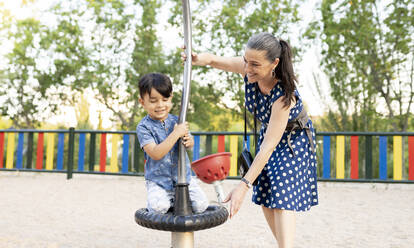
{"points": [[201, 59], [236, 198]]}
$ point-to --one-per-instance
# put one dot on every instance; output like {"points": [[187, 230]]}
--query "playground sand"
{"points": [[46, 210]]}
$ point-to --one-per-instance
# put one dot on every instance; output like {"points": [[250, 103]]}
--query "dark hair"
{"points": [[277, 48], [158, 81]]}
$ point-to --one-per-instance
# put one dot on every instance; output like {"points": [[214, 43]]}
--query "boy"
{"points": [[158, 133]]}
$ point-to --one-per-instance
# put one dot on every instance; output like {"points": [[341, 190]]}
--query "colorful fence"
{"points": [[382, 156], [343, 156]]}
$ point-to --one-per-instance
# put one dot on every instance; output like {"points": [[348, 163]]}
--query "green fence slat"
{"points": [[368, 157], [71, 152], [92, 148], [137, 167], [29, 151], [209, 144]]}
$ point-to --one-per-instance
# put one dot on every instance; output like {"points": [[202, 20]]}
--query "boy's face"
{"points": [[156, 105]]}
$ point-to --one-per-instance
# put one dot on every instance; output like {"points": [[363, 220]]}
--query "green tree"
{"points": [[30, 91], [108, 45], [82, 113], [226, 28], [367, 53], [123, 46]]}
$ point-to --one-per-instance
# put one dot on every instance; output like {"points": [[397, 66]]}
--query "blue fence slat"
{"points": [[196, 149], [19, 162], [383, 157], [59, 162], [326, 156], [248, 142], [125, 151], [81, 152]]}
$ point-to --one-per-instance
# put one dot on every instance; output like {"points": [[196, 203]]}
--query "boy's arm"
{"points": [[157, 152]]}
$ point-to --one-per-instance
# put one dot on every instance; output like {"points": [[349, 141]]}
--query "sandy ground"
{"points": [[46, 210]]}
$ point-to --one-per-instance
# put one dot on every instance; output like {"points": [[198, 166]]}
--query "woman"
{"points": [[285, 161]]}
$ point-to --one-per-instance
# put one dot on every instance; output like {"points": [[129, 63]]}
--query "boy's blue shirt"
{"points": [[163, 172]]}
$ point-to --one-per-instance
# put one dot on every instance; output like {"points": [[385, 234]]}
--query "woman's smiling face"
{"points": [[257, 66]]}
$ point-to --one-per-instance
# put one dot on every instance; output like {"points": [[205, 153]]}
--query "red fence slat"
{"points": [[102, 159], [221, 144], [410, 157], [1, 149], [39, 156], [354, 157]]}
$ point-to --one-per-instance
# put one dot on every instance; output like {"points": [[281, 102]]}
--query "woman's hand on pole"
{"points": [[236, 198], [201, 59]]}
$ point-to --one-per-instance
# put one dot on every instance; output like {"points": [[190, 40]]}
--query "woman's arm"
{"points": [[277, 125], [230, 64]]}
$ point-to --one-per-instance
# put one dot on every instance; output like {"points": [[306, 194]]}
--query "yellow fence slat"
{"points": [[50, 151], [234, 155], [397, 175], [340, 157], [114, 156], [10, 150]]}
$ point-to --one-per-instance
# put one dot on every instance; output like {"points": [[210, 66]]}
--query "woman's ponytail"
{"points": [[277, 48], [284, 72]]}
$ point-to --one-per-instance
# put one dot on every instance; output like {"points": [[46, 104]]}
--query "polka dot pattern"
{"points": [[286, 181]]}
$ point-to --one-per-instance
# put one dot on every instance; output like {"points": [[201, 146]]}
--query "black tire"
{"points": [[213, 216]]}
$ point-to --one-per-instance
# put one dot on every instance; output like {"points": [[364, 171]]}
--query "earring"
{"points": [[274, 72]]}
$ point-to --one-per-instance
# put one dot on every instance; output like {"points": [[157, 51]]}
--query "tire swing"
{"points": [[181, 221]]}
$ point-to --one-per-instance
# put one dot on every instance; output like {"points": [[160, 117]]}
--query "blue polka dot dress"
{"points": [[286, 181]]}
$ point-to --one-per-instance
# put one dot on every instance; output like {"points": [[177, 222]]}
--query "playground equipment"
{"points": [[212, 169], [181, 221]]}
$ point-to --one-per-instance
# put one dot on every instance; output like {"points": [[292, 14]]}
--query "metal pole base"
{"points": [[182, 240], [219, 192]]}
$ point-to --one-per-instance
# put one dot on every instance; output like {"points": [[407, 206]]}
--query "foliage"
{"points": [[115, 32], [224, 27], [107, 46], [367, 53], [4, 123], [82, 114], [30, 91]]}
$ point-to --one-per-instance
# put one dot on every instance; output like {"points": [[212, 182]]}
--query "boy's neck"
{"points": [[162, 121]]}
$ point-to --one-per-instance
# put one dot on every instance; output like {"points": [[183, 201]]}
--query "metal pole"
{"points": [[181, 204], [182, 239], [186, 87], [219, 191]]}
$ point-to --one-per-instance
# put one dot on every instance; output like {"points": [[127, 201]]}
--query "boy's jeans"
{"points": [[160, 200]]}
